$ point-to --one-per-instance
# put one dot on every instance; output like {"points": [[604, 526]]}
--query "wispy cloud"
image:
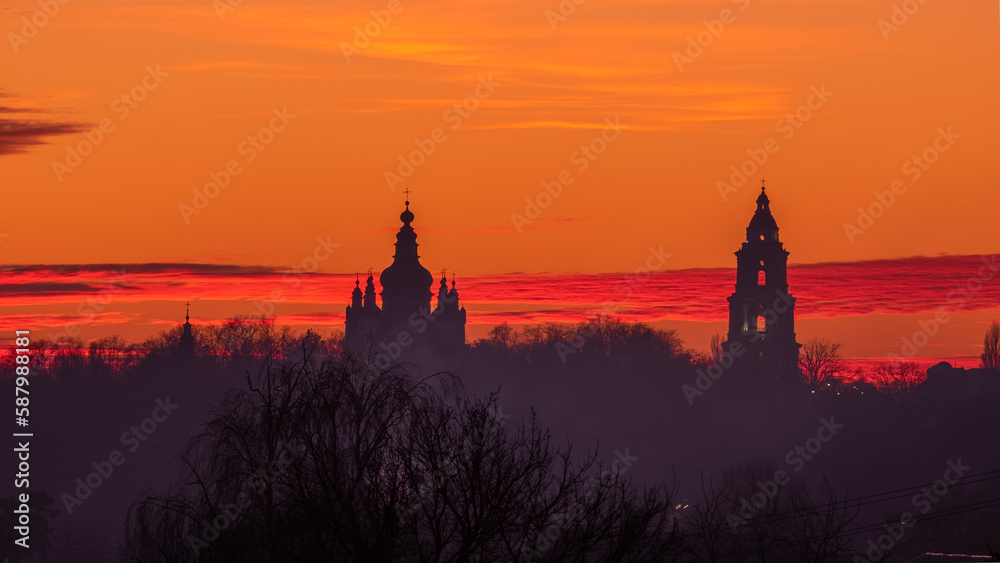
{"points": [[21, 128], [891, 287]]}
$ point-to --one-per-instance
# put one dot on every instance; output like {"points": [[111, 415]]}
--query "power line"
{"points": [[871, 499], [843, 535]]}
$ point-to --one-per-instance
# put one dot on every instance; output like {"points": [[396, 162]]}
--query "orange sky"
{"points": [[324, 173], [553, 85]]}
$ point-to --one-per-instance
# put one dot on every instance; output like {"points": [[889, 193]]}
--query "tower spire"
{"points": [[187, 337]]}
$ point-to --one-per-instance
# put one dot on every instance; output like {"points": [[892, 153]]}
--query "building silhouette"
{"points": [[405, 317], [761, 311], [186, 344]]}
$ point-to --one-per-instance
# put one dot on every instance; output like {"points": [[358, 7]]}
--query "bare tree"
{"points": [[715, 348], [820, 363], [991, 347], [334, 461], [897, 379], [750, 517]]}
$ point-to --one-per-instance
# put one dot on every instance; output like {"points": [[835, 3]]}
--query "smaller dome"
{"points": [[762, 198], [406, 216]]}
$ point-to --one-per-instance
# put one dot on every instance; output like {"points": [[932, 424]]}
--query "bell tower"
{"points": [[761, 311]]}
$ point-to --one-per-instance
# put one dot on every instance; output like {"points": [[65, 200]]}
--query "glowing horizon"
{"points": [[564, 144], [139, 299]]}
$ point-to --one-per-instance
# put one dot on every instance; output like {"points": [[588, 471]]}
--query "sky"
{"points": [[551, 138]]}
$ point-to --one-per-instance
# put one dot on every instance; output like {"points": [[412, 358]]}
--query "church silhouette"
{"points": [[405, 318], [761, 311]]}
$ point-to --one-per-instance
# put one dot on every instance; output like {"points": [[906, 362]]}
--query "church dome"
{"points": [[406, 280], [762, 225], [406, 216], [763, 222]]}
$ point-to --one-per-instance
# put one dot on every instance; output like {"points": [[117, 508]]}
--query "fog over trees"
{"points": [[601, 441]]}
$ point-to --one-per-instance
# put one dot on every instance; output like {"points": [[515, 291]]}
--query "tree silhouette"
{"points": [[334, 461], [991, 347], [896, 379], [715, 348], [750, 517], [820, 362]]}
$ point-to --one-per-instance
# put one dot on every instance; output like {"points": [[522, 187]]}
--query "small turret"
{"points": [[356, 294], [186, 344]]}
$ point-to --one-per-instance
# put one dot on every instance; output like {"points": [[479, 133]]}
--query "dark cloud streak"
{"points": [[18, 135]]}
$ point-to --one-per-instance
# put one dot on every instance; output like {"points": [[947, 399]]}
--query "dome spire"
{"points": [[187, 337], [369, 296], [406, 284], [763, 203], [762, 226], [406, 216]]}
